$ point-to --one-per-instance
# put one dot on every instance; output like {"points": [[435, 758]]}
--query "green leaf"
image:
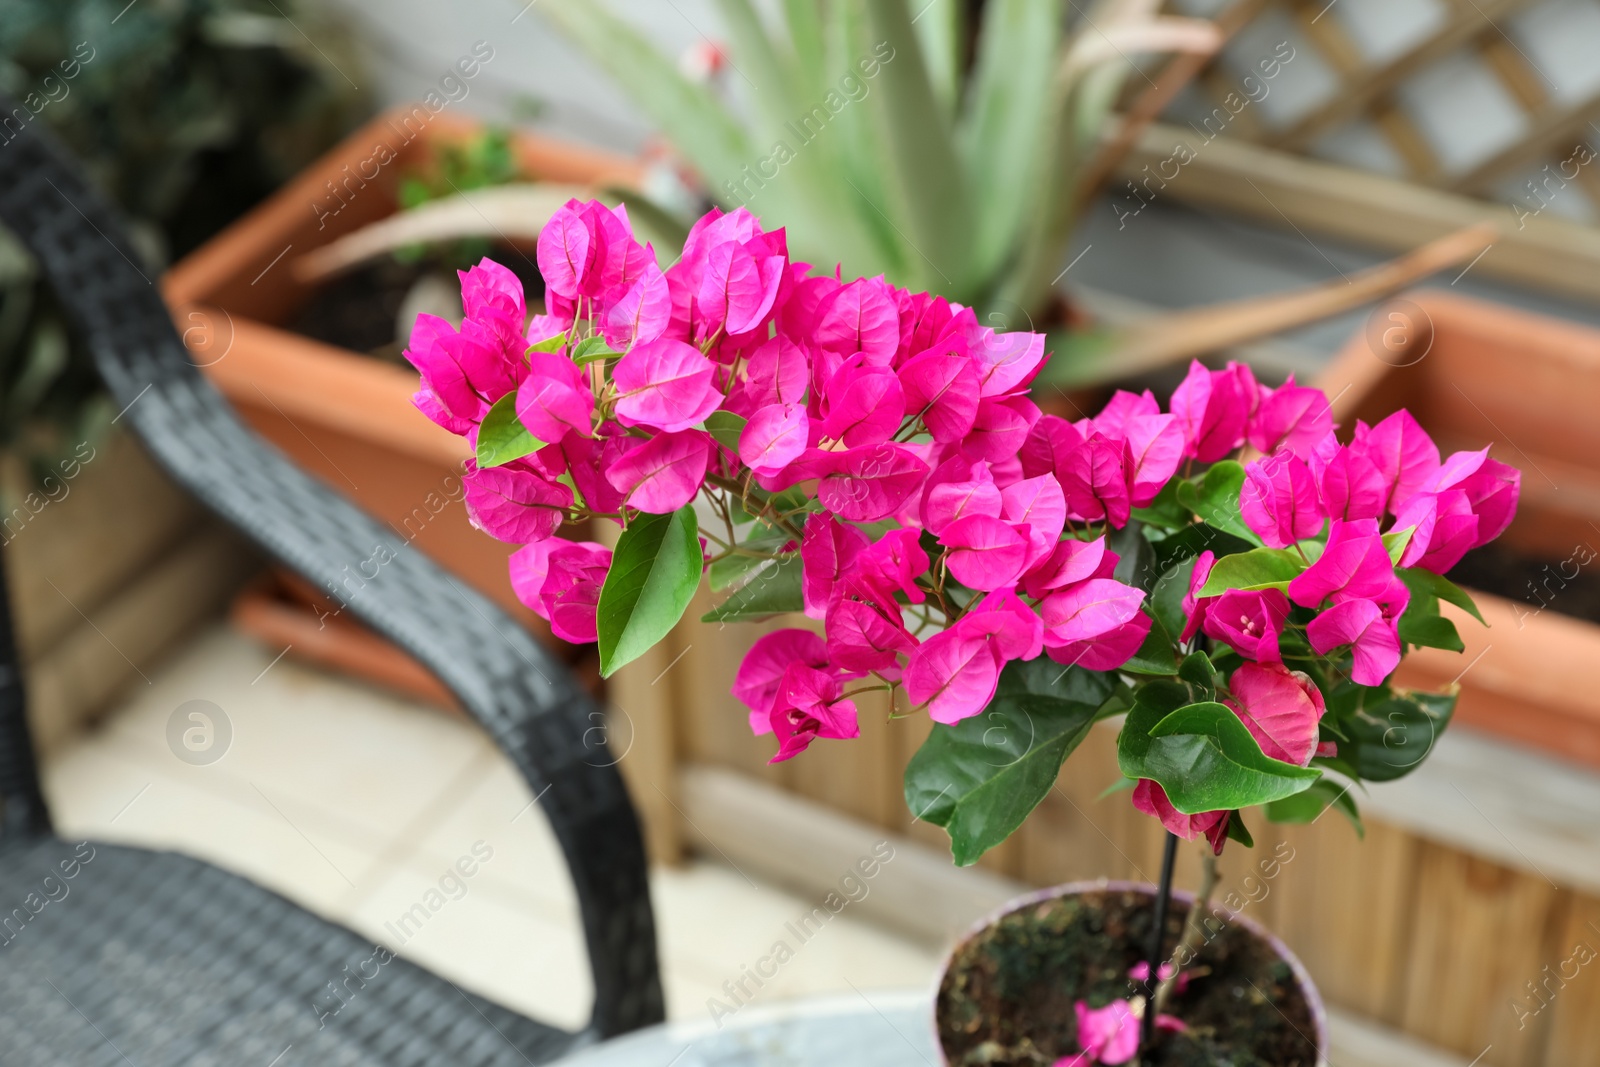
{"points": [[549, 344], [1204, 758], [726, 427], [1260, 568], [1307, 807], [731, 570], [1395, 542], [982, 776], [1422, 582], [1165, 512], [1136, 561], [1155, 655], [1194, 539], [772, 588], [1196, 669], [502, 437], [654, 572], [1166, 596], [1216, 499], [1238, 831], [1390, 736], [1430, 631], [592, 348]]}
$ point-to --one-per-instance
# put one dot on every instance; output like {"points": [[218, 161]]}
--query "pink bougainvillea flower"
{"points": [[1049, 447], [643, 312], [514, 503], [1039, 505], [761, 671], [809, 705], [1371, 633], [1403, 453], [828, 548], [664, 473], [865, 406], [1140, 972], [866, 634], [1069, 563], [1492, 489], [738, 287], [873, 482], [1195, 607], [1354, 563], [942, 389], [1281, 709], [587, 460], [560, 580], [1094, 479], [892, 564], [467, 370], [954, 673], [1443, 529], [1279, 500], [1006, 362], [862, 316], [777, 373], [554, 399], [1150, 798], [1095, 624], [1014, 628], [1213, 409], [566, 251], [1249, 622], [956, 489], [774, 437], [1000, 428], [1350, 484], [924, 318], [489, 291], [985, 553], [1155, 448], [665, 384], [1123, 405], [1108, 1035], [1294, 418]]}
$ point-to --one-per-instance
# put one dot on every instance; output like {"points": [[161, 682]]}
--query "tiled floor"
{"points": [[356, 804]]}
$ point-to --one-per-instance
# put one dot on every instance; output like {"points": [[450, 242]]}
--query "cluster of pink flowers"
{"points": [[945, 527]]}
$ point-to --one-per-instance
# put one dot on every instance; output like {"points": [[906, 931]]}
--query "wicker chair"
{"points": [[154, 958]]}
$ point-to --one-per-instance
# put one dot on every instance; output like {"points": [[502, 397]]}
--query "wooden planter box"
{"points": [[1475, 374], [346, 417]]}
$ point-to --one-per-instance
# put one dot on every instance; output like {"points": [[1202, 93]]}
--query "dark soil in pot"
{"points": [[1007, 996], [1569, 586]]}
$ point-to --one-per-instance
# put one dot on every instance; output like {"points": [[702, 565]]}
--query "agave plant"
{"points": [[872, 132]]}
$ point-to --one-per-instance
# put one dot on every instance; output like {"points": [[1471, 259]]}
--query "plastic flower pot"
{"points": [[341, 415], [1005, 993], [1472, 373]]}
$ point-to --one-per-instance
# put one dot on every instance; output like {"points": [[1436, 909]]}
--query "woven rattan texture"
{"points": [[522, 696]]}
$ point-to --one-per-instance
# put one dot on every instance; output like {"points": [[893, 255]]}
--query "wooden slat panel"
{"points": [[1571, 1005]]}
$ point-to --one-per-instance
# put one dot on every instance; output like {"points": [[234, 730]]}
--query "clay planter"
{"points": [[342, 416], [1477, 374], [1013, 979]]}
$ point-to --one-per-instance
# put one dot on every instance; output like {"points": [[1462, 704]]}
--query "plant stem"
{"points": [[1193, 926], [1157, 936]]}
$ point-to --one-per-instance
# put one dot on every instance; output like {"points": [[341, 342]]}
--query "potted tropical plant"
{"points": [[1225, 575]]}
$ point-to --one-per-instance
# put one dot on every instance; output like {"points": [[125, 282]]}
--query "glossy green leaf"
{"points": [[654, 572], [726, 427], [1155, 656], [982, 776], [1395, 542], [1390, 736], [1165, 512], [1197, 670], [1194, 539], [1166, 596], [502, 437], [1260, 568], [1238, 831], [592, 348], [773, 588], [549, 344], [731, 570], [1136, 561], [1205, 758], [1307, 807], [1430, 631], [1422, 582], [1215, 499]]}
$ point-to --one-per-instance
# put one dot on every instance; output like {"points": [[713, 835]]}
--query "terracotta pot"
{"points": [[1478, 374], [1319, 1014], [345, 417]]}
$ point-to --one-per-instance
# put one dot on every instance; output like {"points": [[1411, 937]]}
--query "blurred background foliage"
{"points": [[186, 113]]}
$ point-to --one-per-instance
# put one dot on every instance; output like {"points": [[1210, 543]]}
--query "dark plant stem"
{"points": [[1157, 937]]}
